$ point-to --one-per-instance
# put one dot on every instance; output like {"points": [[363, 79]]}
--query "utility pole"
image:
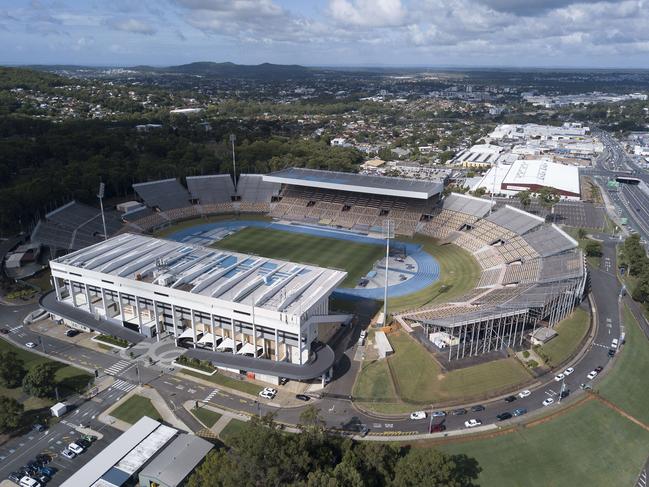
{"points": [[233, 139], [100, 195], [388, 233]]}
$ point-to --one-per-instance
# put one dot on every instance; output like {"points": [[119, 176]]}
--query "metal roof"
{"points": [[518, 221], [343, 181], [238, 278], [173, 464]]}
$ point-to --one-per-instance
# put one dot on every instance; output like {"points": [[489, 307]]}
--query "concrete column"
{"points": [[157, 320], [138, 313], [234, 338], [276, 345], [175, 321], [57, 288], [213, 336], [73, 294], [103, 302], [87, 292], [121, 307], [191, 314], [299, 342]]}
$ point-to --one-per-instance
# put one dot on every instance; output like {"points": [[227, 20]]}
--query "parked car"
{"points": [[472, 423], [418, 415], [503, 416], [568, 371], [77, 449], [585, 387], [459, 412], [548, 402], [565, 393], [363, 430], [30, 345], [592, 375], [611, 352], [614, 343], [437, 427], [49, 471], [302, 397], [27, 481], [71, 332], [68, 453], [83, 443], [519, 411], [39, 427], [559, 377], [5, 331], [90, 438], [267, 394], [438, 414], [510, 398], [599, 368], [15, 477], [477, 408], [524, 393], [43, 459]]}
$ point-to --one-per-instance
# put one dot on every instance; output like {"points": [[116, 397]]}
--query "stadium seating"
{"points": [[165, 194], [211, 189]]}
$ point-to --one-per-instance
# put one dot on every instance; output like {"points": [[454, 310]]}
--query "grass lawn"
{"points": [[225, 381], [134, 408], [626, 384], [355, 258], [69, 379], [590, 445], [165, 232], [571, 332], [205, 416], [459, 273], [419, 379], [233, 427]]}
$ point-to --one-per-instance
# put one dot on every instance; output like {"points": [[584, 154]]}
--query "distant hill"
{"points": [[231, 70]]}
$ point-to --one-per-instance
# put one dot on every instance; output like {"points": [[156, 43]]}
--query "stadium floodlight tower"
{"points": [[388, 233], [100, 195], [233, 139]]}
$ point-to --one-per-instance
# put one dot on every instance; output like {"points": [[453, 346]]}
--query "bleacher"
{"points": [[251, 188], [515, 220], [214, 189], [549, 240], [165, 194]]}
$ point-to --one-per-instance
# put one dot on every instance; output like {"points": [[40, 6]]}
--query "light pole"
{"points": [[100, 195], [388, 233], [233, 139]]}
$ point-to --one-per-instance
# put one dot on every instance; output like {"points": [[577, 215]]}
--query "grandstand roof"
{"points": [[165, 194], [217, 188], [237, 278], [253, 188], [518, 221], [550, 240], [342, 181], [469, 205]]}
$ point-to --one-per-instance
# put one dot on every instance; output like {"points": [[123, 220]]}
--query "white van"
{"points": [[29, 482]]}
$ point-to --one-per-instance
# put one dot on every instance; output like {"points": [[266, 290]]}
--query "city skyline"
{"points": [[503, 33]]}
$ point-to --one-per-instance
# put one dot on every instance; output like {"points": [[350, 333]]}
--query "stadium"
{"points": [[248, 275]]}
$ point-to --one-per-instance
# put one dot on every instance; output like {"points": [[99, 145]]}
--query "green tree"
{"points": [[40, 381], [11, 412], [581, 233], [435, 469], [12, 369], [548, 198], [525, 197], [593, 248]]}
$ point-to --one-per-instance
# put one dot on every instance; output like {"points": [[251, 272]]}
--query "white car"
{"points": [[524, 393], [568, 371], [614, 343], [418, 415], [592, 375], [472, 423], [30, 345], [559, 377], [27, 481], [548, 402], [77, 449], [268, 393], [68, 453]]}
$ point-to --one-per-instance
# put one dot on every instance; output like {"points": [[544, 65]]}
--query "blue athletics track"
{"points": [[427, 267]]}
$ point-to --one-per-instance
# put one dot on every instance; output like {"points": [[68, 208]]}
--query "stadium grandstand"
{"points": [[74, 226], [165, 194], [533, 274], [209, 190]]}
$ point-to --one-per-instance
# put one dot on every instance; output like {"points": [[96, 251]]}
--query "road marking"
{"points": [[122, 385], [211, 395], [377, 425], [118, 367], [389, 425], [180, 387]]}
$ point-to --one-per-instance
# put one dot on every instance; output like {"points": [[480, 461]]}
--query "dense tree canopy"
{"points": [[12, 369], [40, 380], [11, 412]]}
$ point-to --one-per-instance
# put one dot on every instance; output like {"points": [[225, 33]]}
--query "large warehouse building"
{"points": [[246, 311], [532, 175]]}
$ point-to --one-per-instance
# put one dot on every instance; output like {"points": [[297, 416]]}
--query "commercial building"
{"points": [[248, 312], [148, 447]]}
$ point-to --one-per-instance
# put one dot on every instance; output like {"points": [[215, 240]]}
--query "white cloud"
{"points": [[132, 25], [368, 13]]}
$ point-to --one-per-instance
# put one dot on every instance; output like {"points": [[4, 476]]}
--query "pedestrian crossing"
{"points": [[122, 385], [118, 367], [211, 395]]}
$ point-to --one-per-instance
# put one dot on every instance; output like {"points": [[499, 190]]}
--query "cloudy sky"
{"points": [[557, 33]]}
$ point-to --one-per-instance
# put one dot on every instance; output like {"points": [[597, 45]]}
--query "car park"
{"points": [[503, 416], [30, 345], [438, 414], [459, 412], [418, 415], [472, 423], [519, 411], [302, 397], [477, 408], [592, 375], [524, 393], [68, 453], [548, 402], [77, 449], [559, 377], [510, 398], [568, 371]]}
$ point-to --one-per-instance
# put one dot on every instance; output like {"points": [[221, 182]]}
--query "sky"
{"points": [[516, 33]]}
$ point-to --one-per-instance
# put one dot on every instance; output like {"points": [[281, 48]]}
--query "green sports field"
{"points": [[355, 258]]}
